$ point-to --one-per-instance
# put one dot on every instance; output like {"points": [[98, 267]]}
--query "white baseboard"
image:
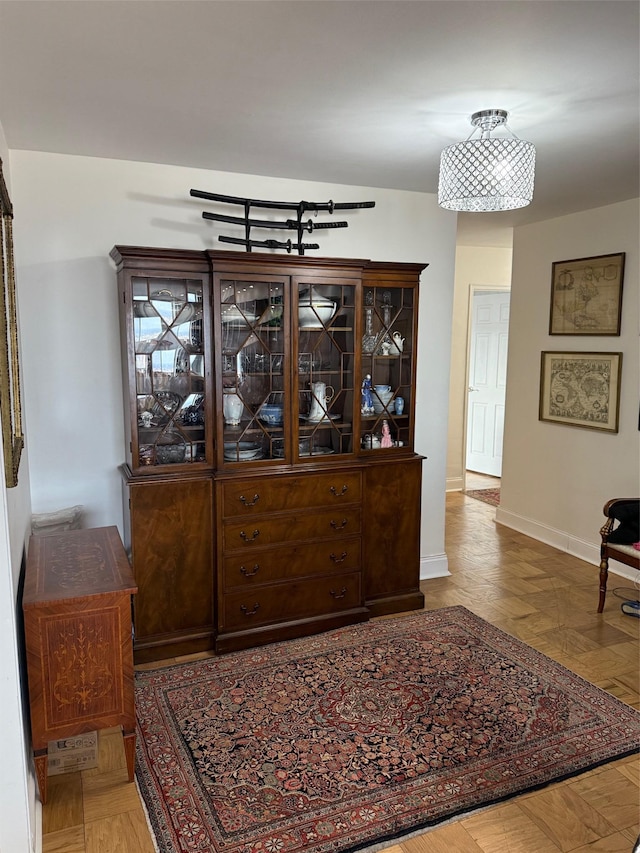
{"points": [[436, 566], [587, 551], [454, 484]]}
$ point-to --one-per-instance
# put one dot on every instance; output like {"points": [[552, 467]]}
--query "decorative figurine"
{"points": [[369, 339], [385, 346], [386, 308], [386, 435], [366, 407]]}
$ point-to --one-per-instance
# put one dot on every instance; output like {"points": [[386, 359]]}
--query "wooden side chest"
{"points": [[78, 635]]}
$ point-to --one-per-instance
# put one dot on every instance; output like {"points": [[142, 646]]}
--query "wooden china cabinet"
{"points": [[272, 485]]}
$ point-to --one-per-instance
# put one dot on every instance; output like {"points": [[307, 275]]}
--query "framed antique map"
{"points": [[581, 389], [10, 408], [586, 296]]}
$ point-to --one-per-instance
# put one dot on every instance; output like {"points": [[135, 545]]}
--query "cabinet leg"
{"points": [[604, 572], [130, 753], [42, 766]]}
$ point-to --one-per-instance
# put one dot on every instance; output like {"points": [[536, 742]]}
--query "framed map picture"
{"points": [[586, 296], [581, 389], [10, 408]]}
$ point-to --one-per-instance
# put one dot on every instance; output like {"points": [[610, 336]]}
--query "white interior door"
{"points": [[487, 381]]}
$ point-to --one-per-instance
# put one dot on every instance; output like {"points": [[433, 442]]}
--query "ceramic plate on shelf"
{"points": [[278, 452], [329, 417], [242, 451]]}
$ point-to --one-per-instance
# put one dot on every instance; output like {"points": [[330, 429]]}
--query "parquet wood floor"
{"points": [[544, 597]]}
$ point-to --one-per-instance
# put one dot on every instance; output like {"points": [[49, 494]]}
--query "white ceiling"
{"points": [[361, 92]]}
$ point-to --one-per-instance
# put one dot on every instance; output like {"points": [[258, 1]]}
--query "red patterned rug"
{"points": [[488, 496], [361, 735]]}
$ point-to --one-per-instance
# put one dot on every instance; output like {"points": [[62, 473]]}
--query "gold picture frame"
{"points": [[10, 407], [586, 295], [581, 389]]}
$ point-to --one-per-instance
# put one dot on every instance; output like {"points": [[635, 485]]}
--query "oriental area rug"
{"points": [[361, 735], [487, 496]]}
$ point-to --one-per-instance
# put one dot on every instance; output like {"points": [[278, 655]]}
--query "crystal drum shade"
{"points": [[487, 174]]}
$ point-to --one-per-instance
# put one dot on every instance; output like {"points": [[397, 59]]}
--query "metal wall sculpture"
{"points": [[300, 226]]}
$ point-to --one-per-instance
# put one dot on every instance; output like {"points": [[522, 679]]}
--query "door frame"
{"points": [[473, 289]]}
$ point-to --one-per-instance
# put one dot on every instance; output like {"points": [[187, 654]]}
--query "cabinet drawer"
{"points": [[249, 534], [276, 494], [290, 562], [246, 609]]}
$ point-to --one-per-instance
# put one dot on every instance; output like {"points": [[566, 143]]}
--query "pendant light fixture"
{"points": [[488, 173]]}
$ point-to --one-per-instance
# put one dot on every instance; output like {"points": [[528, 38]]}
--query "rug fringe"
{"points": [[146, 817], [415, 833]]}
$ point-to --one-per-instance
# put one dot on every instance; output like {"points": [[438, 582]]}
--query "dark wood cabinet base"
{"points": [[396, 604], [172, 647], [288, 631]]}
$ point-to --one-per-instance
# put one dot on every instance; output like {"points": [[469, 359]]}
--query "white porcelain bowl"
{"points": [[380, 400], [313, 315]]}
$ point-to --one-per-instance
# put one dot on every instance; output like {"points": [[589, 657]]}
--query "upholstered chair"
{"points": [[618, 539]]}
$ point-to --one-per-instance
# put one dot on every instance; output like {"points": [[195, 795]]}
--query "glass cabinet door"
{"points": [[169, 370], [324, 350], [254, 367], [387, 367]]}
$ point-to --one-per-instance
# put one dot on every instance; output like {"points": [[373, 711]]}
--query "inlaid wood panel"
{"points": [[81, 662]]}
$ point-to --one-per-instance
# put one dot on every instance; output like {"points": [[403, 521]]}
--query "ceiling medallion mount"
{"points": [[488, 120]]}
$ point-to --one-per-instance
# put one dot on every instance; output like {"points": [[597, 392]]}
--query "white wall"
{"points": [[474, 266], [18, 820], [556, 478], [70, 211]]}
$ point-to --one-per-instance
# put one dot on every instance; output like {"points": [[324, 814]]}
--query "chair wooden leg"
{"points": [[604, 573]]}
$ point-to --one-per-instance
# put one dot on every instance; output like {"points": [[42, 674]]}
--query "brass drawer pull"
{"points": [[249, 573], [340, 594], [338, 494], [339, 559], [337, 526], [254, 500], [253, 538], [253, 612]]}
